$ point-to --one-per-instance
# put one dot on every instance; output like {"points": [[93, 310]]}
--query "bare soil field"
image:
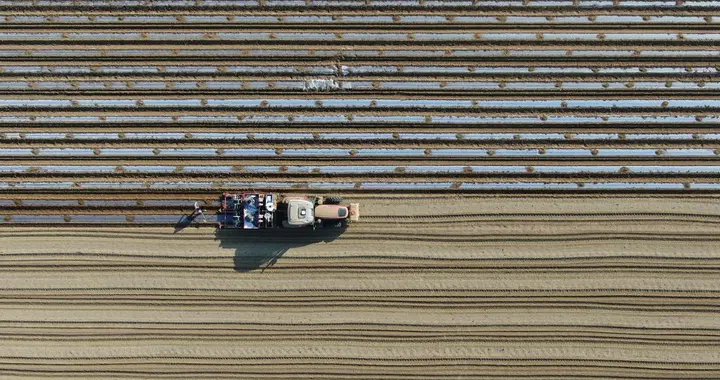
{"points": [[539, 185], [556, 287]]}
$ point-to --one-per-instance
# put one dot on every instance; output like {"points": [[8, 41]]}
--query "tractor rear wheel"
{"points": [[333, 200]]}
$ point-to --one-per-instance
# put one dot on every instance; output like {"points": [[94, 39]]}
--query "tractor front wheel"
{"points": [[333, 200]]}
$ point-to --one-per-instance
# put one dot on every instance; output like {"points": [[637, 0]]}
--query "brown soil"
{"points": [[584, 286]]}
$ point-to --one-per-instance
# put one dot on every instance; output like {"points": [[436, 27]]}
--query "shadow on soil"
{"points": [[188, 220], [184, 222], [261, 249]]}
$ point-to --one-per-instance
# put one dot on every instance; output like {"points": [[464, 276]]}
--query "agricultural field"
{"points": [[538, 183]]}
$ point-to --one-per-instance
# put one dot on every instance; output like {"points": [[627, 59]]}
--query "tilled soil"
{"points": [[519, 286], [538, 182]]}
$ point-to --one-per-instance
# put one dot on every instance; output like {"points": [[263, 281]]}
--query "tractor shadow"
{"points": [[261, 249]]}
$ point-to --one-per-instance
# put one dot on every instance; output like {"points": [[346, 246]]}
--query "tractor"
{"points": [[258, 210]]}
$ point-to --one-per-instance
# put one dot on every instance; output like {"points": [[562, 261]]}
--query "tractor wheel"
{"points": [[333, 200]]}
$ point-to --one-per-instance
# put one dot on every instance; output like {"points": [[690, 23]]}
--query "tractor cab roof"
{"points": [[300, 212]]}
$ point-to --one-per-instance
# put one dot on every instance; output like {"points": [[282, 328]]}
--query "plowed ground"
{"points": [[516, 287]]}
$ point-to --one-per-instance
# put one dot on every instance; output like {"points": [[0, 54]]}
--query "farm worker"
{"points": [[199, 211]]}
